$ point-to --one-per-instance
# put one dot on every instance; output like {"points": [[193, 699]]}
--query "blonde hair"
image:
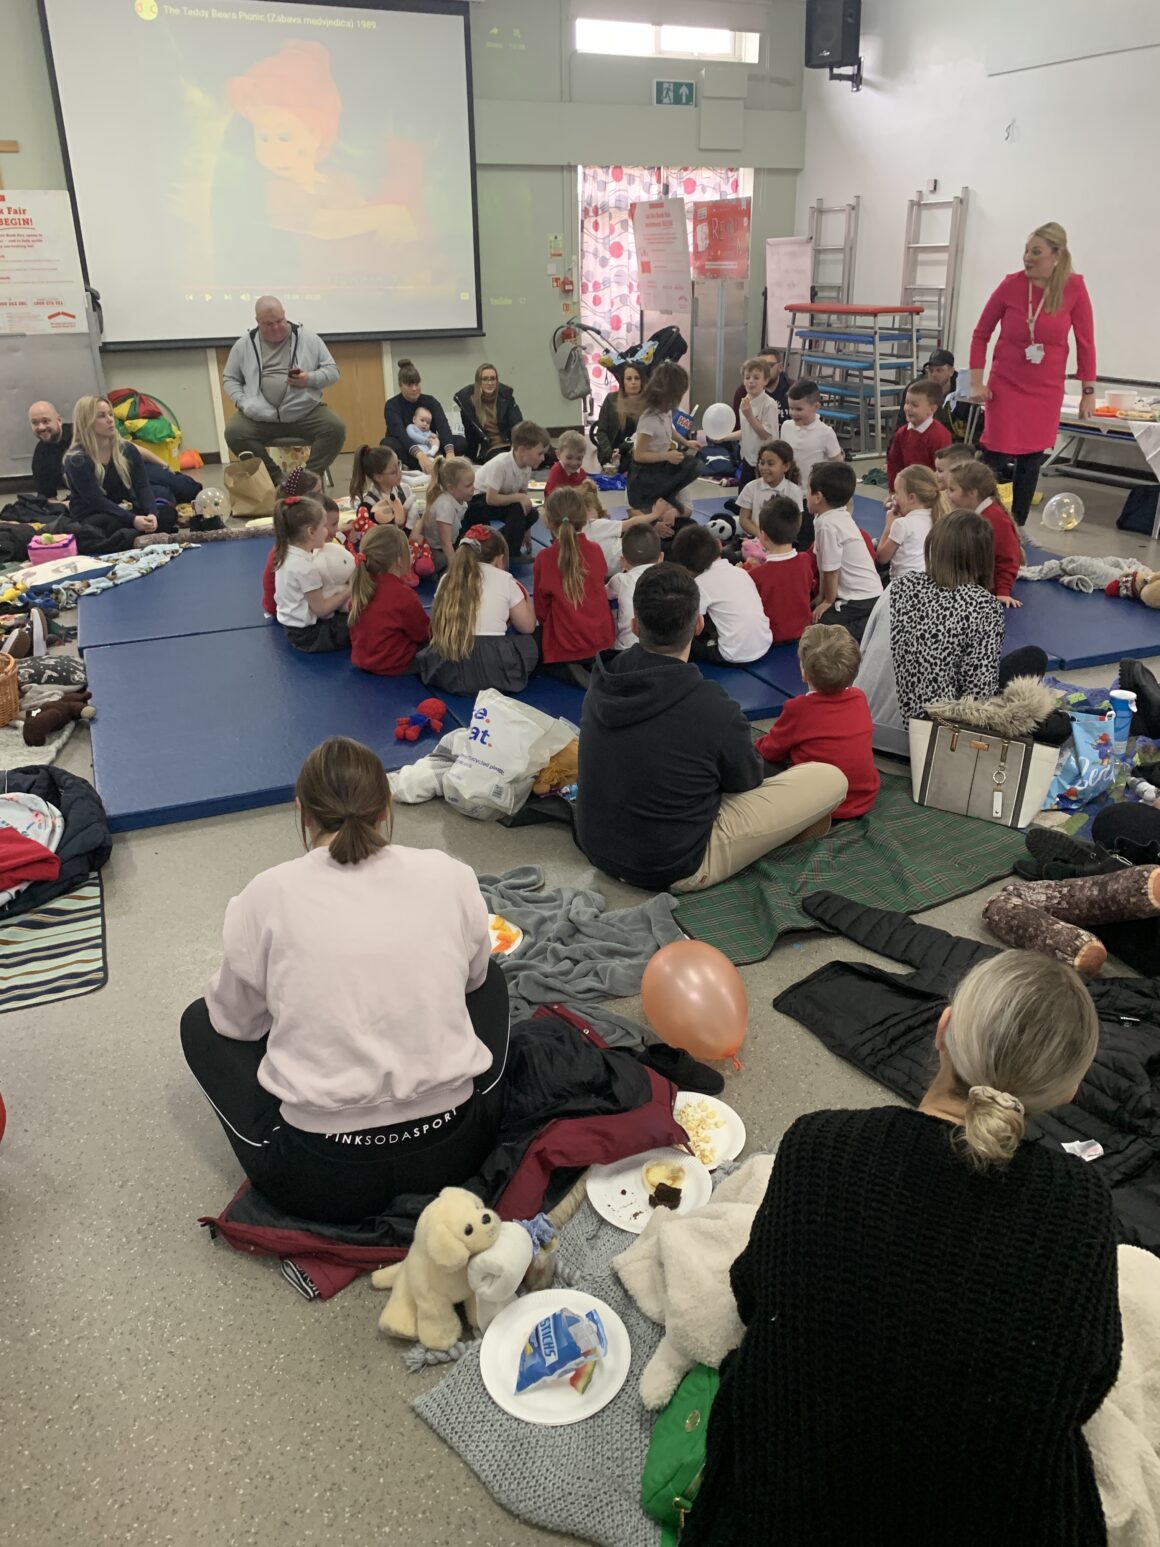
{"points": [[1021, 1036], [1056, 238], [84, 441], [757, 363], [572, 440], [445, 473], [593, 504], [831, 663], [978, 479], [921, 482], [460, 592], [566, 516], [380, 550], [293, 517], [343, 790]]}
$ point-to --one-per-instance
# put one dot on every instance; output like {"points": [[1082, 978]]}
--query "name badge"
{"points": [[1034, 354]]}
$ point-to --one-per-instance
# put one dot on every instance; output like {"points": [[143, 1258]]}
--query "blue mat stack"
{"points": [[204, 708]]}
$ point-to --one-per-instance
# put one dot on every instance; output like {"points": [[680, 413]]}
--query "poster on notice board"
{"points": [[662, 255], [721, 239], [41, 285]]}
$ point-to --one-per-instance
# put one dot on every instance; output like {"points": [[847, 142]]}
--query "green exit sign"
{"points": [[674, 93]]}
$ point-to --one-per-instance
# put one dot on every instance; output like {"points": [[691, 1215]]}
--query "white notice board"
{"points": [[789, 273]]}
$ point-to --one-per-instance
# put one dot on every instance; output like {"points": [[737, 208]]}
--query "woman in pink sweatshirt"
{"points": [[353, 1041]]}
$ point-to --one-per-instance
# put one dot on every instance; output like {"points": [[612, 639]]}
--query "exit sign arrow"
{"points": [[674, 93]]}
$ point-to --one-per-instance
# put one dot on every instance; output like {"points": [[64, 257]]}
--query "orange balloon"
{"points": [[695, 999]]}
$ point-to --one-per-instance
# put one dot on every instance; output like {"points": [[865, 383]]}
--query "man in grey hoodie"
{"points": [[275, 377]]}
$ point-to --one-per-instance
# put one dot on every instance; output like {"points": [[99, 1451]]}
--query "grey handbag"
{"points": [[970, 772]]}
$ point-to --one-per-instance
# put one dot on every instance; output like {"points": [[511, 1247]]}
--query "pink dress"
{"points": [[1023, 414]]}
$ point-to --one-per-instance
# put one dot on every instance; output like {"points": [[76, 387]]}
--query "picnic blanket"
{"points": [[901, 857]]}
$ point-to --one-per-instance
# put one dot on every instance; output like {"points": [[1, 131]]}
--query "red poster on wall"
{"points": [[721, 239]]}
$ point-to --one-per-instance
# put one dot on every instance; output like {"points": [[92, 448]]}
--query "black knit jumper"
{"points": [[923, 1344]]}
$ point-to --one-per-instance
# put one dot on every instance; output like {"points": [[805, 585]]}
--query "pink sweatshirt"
{"points": [[358, 973]]}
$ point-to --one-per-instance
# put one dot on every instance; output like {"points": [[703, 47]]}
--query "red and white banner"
{"points": [[721, 239], [41, 286]]}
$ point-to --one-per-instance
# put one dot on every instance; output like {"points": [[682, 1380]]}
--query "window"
{"points": [[643, 40]]}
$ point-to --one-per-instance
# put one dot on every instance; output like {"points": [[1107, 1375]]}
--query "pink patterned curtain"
{"points": [[609, 301]]}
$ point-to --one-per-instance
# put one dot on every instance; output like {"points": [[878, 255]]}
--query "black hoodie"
{"points": [[659, 746]]}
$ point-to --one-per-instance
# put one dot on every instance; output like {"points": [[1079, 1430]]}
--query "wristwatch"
{"points": [[1089, 392]]}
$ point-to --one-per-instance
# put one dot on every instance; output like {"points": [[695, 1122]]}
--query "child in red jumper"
{"points": [[785, 579], [568, 591], [831, 722], [387, 621], [567, 471], [972, 487], [922, 436]]}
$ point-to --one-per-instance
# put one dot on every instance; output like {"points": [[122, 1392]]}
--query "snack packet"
{"points": [[559, 1345]]}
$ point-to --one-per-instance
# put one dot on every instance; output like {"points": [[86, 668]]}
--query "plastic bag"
{"points": [[508, 742], [1086, 767]]}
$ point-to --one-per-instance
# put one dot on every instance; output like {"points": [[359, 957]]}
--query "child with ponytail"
{"points": [[387, 621], [569, 595], [299, 480], [448, 496], [911, 511], [312, 614], [374, 491], [476, 603], [972, 486]]}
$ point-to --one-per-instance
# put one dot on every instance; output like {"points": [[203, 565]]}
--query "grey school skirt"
{"points": [[502, 661]]}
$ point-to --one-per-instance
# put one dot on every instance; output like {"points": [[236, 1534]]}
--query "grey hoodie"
{"points": [[242, 377]]}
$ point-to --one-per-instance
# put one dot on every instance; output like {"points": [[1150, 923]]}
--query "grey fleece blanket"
{"points": [[575, 952]]}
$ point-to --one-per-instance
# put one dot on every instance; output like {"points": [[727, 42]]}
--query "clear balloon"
{"points": [[717, 420], [694, 999], [1063, 512]]}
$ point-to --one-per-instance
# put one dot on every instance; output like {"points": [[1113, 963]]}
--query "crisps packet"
{"points": [[559, 1345]]}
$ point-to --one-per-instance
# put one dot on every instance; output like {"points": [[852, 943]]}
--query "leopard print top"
{"points": [[944, 644]]}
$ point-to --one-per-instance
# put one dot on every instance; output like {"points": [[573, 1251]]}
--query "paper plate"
{"points": [[506, 937], [552, 1403], [619, 1195], [728, 1140]]}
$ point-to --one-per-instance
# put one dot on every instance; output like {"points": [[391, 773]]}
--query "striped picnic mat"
{"points": [[54, 952], [902, 857]]}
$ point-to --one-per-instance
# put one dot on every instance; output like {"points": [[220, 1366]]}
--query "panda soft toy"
{"points": [[723, 526]]}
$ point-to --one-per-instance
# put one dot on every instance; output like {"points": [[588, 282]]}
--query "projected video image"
{"points": [[318, 153]]}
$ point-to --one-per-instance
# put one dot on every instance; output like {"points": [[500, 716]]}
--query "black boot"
{"points": [[1136, 678]]}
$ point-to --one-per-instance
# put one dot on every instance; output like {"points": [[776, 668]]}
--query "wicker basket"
{"points": [[9, 690]]}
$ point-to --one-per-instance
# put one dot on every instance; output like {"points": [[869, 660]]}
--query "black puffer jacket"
{"points": [[507, 416], [884, 1023], [86, 842]]}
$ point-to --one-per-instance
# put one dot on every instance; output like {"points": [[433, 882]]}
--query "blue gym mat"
{"points": [[759, 697], [208, 589], [193, 727]]}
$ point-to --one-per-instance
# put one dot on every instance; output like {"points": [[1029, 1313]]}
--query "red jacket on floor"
{"points": [[833, 728], [1008, 552], [910, 449], [785, 587], [571, 632], [269, 605], [389, 630]]}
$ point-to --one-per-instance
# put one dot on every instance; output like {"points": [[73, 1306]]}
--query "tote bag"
{"points": [[250, 487]]}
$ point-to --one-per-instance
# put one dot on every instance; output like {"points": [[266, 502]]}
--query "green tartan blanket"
{"points": [[902, 857]]}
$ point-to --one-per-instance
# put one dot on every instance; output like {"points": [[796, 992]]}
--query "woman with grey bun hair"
{"points": [[930, 1303]]}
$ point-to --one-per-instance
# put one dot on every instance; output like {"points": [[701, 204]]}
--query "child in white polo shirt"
{"points": [[736, 628], [849, 583]]}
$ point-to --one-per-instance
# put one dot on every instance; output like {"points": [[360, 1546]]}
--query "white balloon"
{"points": [[1063, 512], [717, 420]]}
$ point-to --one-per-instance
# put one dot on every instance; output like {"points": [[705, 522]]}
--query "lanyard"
{"points": [[1032, 319]]}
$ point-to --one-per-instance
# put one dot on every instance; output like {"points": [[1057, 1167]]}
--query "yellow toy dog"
{"points": [[431, 1281]]}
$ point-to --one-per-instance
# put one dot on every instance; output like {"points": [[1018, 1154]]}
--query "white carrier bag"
{"points": [[507, 744]]}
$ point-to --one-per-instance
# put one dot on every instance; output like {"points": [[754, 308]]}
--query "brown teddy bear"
{"points": [[560, 771]]}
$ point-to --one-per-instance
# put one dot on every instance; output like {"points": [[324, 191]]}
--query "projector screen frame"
{"points": [[460, 8]]}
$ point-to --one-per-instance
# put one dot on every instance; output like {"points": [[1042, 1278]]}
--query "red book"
{"points": [[910, 449], [571, 632], [1008, 551], [785, 587], [833, 728], [559, 479], [389, 630]]}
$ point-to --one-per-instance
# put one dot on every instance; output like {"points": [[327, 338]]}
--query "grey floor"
{"points": [[162, 1389]]}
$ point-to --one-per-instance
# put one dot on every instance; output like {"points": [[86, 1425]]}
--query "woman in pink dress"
{"points": [[1036, 311]]}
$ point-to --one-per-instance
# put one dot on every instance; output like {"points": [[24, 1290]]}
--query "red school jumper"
{"points": [[559, 479], [909, 448], [785, 587], [390, 629], [269, 605], [1008, 553], [833, 728], [570, 632]]}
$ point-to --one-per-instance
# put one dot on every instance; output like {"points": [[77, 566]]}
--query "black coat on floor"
{"points": [[86, 842], [884, 1024]]}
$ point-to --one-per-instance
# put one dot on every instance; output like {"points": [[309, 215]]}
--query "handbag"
{"points": [[973, 772], [675, 1464], [249, 485]]}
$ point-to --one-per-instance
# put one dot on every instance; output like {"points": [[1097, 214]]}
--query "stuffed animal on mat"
{"points": [[45, 720], [429, 715], [562, 770], [431, 1281], [1138, 585]]}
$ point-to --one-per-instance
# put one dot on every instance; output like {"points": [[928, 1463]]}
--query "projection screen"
{"points": [[321, 153]]}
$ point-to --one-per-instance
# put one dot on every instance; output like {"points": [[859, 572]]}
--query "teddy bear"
{"points": [[561, 771], [430, 714], [431, 1281], [1138, 585]]}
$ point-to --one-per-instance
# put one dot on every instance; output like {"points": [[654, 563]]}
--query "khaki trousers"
{"points": [[752, 824], [321, 429]]}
